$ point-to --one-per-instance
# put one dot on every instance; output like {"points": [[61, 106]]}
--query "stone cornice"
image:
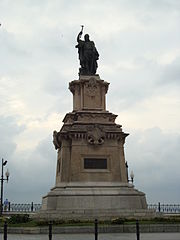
{"points": [[85, 80], [95, 134], [90, 116]]}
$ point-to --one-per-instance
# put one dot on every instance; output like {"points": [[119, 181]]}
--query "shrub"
{"points": [[118, 221], [74, 221], [44, 222], [19, 218]]}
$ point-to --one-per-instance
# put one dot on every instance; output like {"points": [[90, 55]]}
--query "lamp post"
{"points": [[127, 171], [132, 176], [2, 181]]}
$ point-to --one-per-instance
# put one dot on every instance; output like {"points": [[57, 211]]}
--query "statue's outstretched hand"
{"points": [[79, 36]]}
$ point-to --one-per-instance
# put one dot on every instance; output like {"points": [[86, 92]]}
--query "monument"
{"points": [[91, 173]]}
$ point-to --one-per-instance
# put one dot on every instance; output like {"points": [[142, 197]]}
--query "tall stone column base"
{"points": [[92, 175], [94, 200]]}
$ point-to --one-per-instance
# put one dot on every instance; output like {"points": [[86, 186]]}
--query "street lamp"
{"points": [[132, 176], [7, 175], [126, 164], [2, 181]]}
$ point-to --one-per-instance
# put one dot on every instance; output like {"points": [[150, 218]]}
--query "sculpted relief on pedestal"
{"points": [[91, 87], [95, 135]]}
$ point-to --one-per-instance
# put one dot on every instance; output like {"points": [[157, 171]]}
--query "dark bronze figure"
{"points": [[88, 55]]}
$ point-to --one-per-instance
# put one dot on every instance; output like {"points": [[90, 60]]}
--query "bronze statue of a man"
{"points": [[88, 55]]}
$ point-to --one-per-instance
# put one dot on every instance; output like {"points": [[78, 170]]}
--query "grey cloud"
{"points": [[55, 83], [12, 54], [37, 42], [130, 87], [9, 130], [152, 154], [154, 157], [151, 4], [171, 73], [34, 175]]}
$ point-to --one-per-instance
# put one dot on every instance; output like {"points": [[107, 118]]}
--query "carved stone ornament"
{"points": [[73, 86], [91, 87], [95, 136], [56, 141]]}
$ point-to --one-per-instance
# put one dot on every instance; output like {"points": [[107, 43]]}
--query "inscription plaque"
{"points": [[95, 163]]}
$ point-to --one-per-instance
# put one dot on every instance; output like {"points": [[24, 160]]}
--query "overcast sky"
{"points": [[139, 46]]}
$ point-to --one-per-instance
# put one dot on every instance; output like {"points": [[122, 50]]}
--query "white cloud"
{"points": [[138, 42], [158, 110]]}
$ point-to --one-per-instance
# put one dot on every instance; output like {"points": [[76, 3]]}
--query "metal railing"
{"points": [[23, 207], [165, 208], [33, 207], [50, 230]]}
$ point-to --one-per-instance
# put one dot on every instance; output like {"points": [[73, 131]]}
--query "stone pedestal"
{"points": [[91, 175]]}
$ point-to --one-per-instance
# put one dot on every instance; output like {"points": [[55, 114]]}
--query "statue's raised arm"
{"points": [[80, 34], [88, 55]]}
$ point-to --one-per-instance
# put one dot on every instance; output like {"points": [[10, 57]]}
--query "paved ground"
{"points": [[106, 236]]}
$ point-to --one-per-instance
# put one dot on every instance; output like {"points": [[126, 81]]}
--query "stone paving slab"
{"points": [[107, 236]]}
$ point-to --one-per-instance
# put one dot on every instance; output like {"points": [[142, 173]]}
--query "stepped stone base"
{"points": [[91, 175], [94, 200]]}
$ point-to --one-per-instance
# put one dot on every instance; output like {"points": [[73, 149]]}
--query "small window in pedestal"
{"points": [[95, 164]]}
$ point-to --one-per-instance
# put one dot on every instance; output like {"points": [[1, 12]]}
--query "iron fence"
{"points": [[33, 207], [24, 207], [165, 208]]}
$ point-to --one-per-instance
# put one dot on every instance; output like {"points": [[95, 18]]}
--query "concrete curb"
{"points": [[144, 228]]}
